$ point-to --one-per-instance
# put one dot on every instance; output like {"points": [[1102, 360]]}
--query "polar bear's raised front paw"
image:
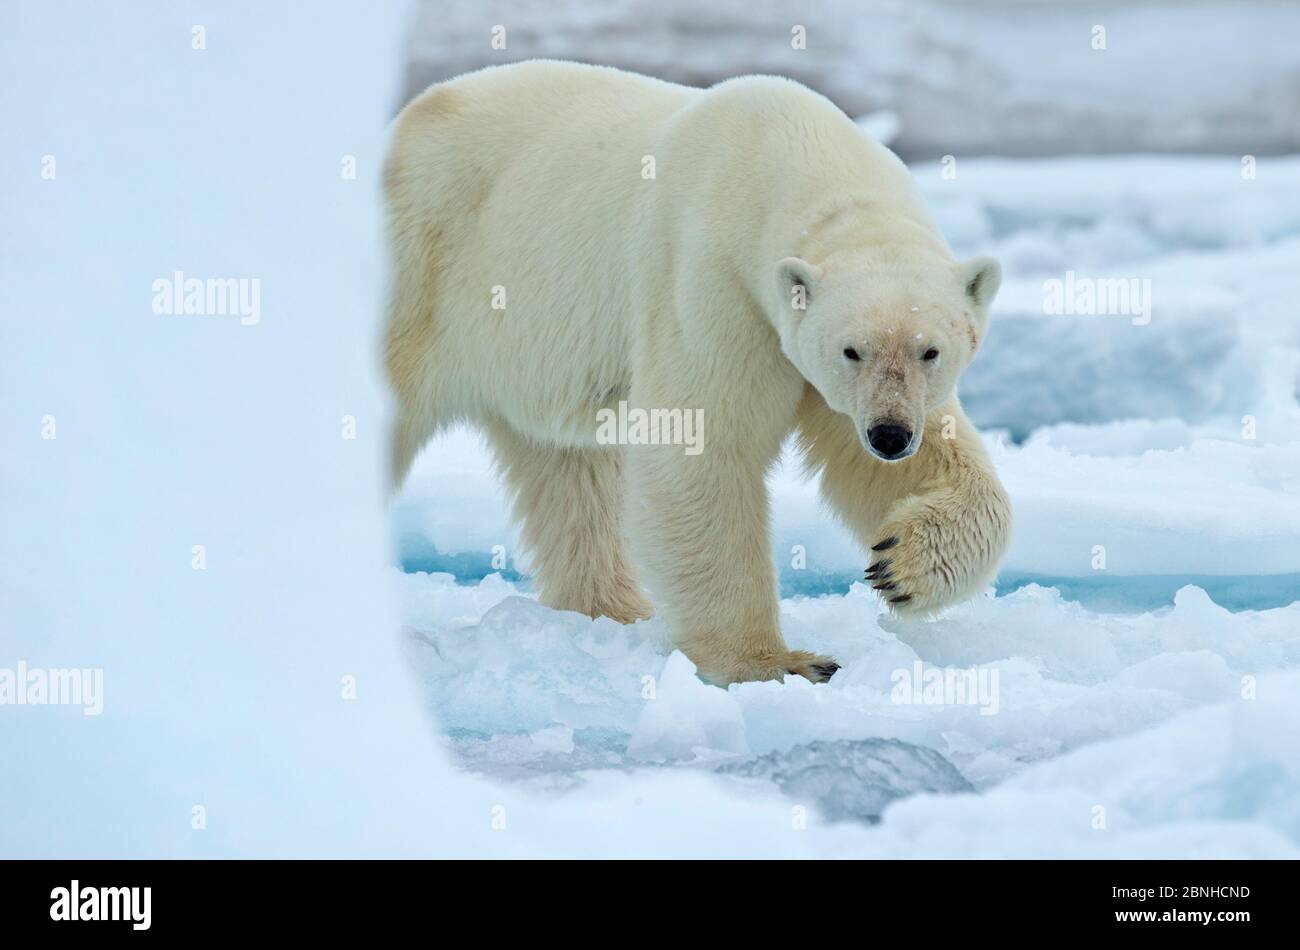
{"points": [[936, 554]]}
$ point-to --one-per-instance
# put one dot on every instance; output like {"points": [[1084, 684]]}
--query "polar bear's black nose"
{"points": [[890, 441]]}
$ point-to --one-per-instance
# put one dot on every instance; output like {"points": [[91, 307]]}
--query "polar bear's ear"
{"points": [[981, 276], [797, 281]]}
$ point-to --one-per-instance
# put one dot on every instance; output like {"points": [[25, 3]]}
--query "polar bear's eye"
{"points": [[931, 355], [851, 353]]}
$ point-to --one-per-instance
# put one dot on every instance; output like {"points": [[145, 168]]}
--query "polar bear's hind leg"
{"points": [[570, 503]]}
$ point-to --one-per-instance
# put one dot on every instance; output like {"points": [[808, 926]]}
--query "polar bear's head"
{"points": [[884, 340]]}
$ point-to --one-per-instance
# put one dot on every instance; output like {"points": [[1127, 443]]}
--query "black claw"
{"points": [[901, 599], [825, 670], [878, 566], [885, 545], [890, 585]]}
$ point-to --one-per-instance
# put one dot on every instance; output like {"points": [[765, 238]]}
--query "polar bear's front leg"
{"points": [[936, 524], [699, 524]]}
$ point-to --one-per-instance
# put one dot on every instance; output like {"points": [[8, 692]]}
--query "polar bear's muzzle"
{"points": [[891, 441]]}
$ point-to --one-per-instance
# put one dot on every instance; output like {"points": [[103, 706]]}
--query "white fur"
{"points": [[676, 292]]}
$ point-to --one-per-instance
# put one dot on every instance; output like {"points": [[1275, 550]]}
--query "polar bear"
{"points": [[569, 241]]}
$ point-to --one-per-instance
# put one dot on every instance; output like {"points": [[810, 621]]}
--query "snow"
{"points": [[1218, 248], [963, 77], [299, 695], [1060, 676], [1088, 710]]}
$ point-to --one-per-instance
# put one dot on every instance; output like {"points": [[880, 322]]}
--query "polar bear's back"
{"points": [[518, 186], [526, 117]]}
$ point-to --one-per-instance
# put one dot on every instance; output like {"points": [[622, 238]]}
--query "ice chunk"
{"points": [[686, 719], [854, 779]]}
